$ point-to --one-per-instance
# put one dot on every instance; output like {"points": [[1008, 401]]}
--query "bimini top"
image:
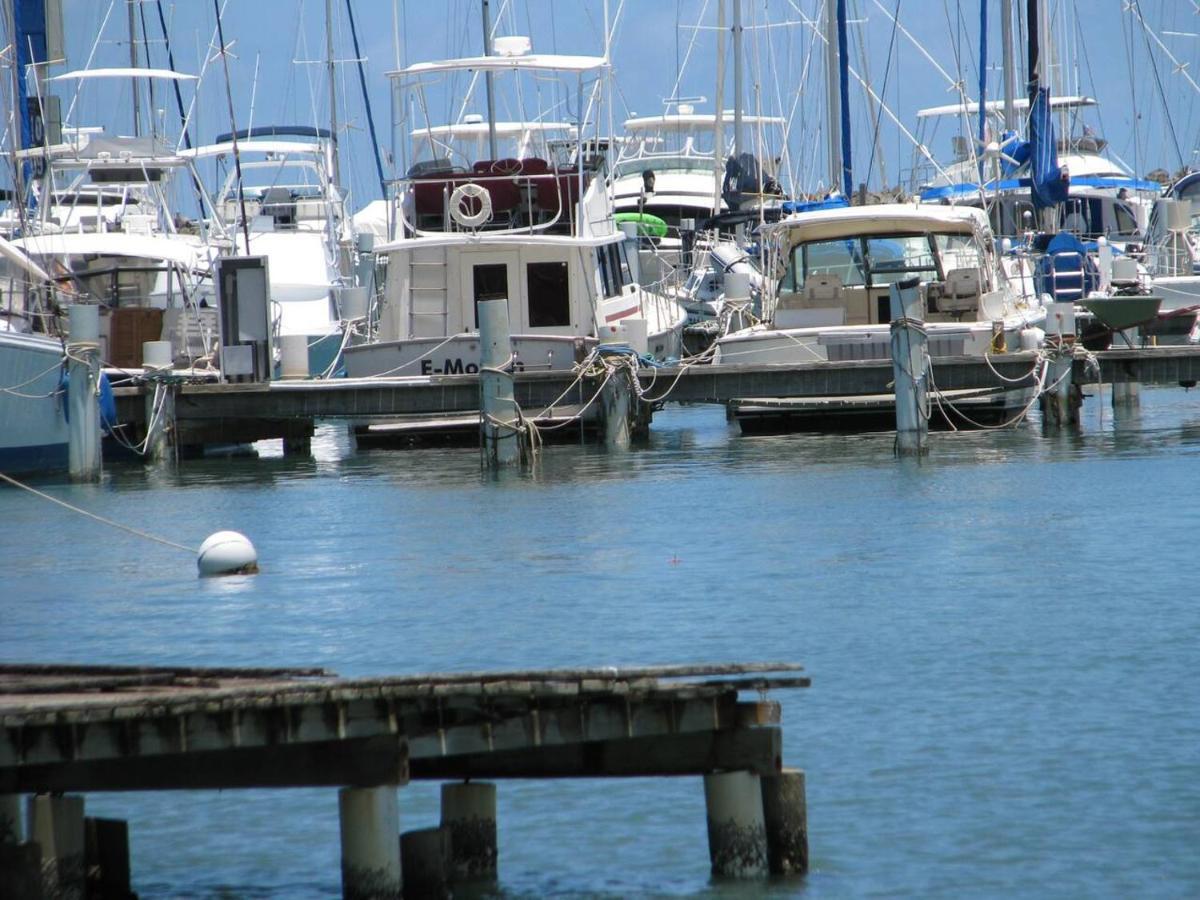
{"points": [[85, 74], [692, 121], [480, 129], [541, 62], [254, 146], [997, 106], [885, 218]]}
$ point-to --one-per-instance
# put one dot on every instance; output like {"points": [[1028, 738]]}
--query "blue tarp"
{"points": [[1048, 183]]}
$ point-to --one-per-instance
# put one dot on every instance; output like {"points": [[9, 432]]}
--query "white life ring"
{"points": [[459, 207]]}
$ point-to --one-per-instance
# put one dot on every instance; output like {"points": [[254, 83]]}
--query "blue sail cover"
{"points": [[29, 20], [1048, 183]]}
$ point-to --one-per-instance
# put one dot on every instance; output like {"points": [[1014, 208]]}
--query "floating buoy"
{"points": [[227, 553]]}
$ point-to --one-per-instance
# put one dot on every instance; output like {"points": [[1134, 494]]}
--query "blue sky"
{"points": [[1104, 51]]}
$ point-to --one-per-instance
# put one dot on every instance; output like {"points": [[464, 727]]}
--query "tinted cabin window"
{"points": [[605, 277], [491, 283], [549, 294]]}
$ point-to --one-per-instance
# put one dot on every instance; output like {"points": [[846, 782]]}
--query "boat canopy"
{"points": [[997, 106], [250, 146], [161, 249], [128, 72], [694, 121], [887, 218], [532, 62]]}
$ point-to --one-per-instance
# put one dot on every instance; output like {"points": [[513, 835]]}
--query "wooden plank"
{"points": [[757, 750]]}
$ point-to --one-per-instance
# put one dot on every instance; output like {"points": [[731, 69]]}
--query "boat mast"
{"points": [[332, 74], [983, 43], [832, 95], [487, 79], [133, 64], [1010, 72], [737, 78], [719, 120], [844, 86]]}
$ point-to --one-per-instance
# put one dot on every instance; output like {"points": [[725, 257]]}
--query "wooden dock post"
{"points": [[1127, 395], [469, 812], [83, 369], [425, 860], [10, 818], [370, 827], [617, 405], [56, 825], [106, 859], [497, 409], [785, 814], [1060, 405], [20, 861], [910, 368], [737, 834]]}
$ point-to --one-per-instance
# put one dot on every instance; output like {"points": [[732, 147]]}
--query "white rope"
{"points": [[90, 515]]}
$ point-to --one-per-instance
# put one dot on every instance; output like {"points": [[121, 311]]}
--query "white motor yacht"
{"points": [[828, 279]]}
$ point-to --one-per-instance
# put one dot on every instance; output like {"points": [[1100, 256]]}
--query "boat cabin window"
{"points": [[958, 251], [614, 268], [491, 283], [895, 258], [549, 294]]}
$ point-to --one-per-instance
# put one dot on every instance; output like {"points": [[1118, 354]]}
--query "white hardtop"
{"points": [[886, 218], [480, 129], [88, 74], [997, 106], [541, 62], [694, 121], [252, 145]]}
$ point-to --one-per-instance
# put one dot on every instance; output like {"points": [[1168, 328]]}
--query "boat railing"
{"points": [[498, 196]]}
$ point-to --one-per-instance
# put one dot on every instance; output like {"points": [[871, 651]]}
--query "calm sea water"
{"points": [[1003, 641]]}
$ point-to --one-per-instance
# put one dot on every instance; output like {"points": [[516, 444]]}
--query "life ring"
{"points": [[460, 205]]}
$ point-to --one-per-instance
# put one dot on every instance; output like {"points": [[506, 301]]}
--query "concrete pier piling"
{"points": [[425, 859], [469, 812], [910, 368], [370, 828], [106, 855], [83, 379], [785, 815], [497, 409], [737, 834], [56, 826]]}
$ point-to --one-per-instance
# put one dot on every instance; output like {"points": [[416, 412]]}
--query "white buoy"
{"points": [[227, 553]]}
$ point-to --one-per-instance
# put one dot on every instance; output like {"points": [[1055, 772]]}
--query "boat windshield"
{"points": [[878, 260]]}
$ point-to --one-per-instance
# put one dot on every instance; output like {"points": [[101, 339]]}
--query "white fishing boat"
{"points": [[536, 229], [829, 274]]}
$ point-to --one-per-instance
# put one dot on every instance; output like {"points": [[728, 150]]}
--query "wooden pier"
{"points": [[230, 413], [82, 729]]}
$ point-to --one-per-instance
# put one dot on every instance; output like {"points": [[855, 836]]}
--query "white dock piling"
{"points": [[497, 409], [737, 834], [83, 368], [1059, 403], [160, 402], [785, 814], [469, 812], [617, 403], [370, 826], [910, 368], [56, 826]]}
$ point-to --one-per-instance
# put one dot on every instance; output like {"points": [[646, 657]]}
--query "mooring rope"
{"points": [[91, 515]]}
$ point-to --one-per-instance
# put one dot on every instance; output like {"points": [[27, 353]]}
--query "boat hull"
{"points": [[33, 422]]}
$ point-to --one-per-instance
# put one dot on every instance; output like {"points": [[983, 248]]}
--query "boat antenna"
{"points": [[237, 157]]}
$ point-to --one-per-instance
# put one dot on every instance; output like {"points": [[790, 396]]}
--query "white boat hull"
{"points": [[33, 422]]}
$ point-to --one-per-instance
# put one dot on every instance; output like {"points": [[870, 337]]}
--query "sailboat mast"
{"points": [[133, 64], [832, 95], [332, 73], [719, 119], [844, 88], [983, 43], [487, 78], [737, 78], [1032, 28], [1010, 71]]}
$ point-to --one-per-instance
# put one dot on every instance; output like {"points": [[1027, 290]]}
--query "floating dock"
{"points": [[230, 413], [66, 731]]}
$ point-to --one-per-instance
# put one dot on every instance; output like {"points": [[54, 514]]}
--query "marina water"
{"points": [[1003, 641]]}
